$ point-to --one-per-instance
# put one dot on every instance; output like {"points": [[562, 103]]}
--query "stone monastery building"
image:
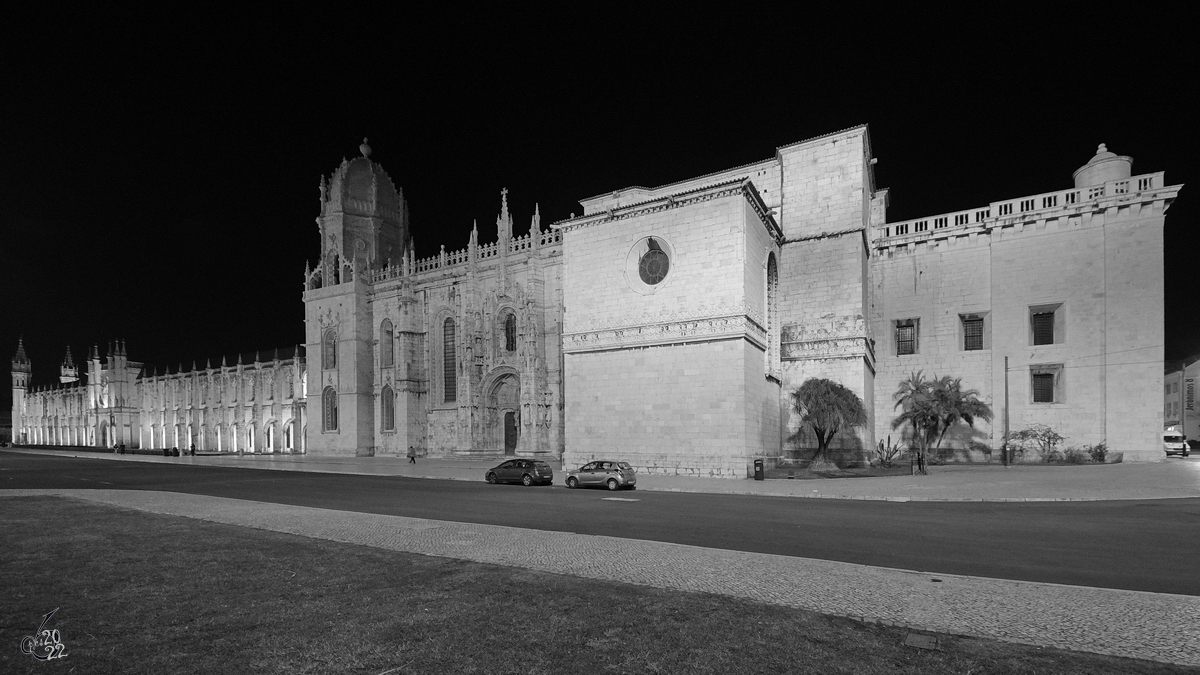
{"points": [[667, 326]]}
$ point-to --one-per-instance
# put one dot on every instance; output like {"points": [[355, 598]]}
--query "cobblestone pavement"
{"points": [[1153, 626], [1176, 477]]}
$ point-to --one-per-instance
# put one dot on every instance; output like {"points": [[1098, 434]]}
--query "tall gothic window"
{"points": [[449, 379], [329, 350], [510, 333], [772, 320], [387, 408], [386, 358], [329, 409]]}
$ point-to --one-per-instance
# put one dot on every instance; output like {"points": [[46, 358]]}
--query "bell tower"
{"points": [[364, 236], [21, 369]]}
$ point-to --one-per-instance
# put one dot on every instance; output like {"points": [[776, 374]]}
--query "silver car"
{"points": [[613, 475]]}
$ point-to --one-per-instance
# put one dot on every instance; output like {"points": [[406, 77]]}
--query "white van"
{"points": [[1174, 442]]}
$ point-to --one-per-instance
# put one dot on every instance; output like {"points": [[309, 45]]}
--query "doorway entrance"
{"points": [[503, 421], [510, 433]]}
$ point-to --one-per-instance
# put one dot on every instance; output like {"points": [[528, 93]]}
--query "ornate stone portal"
{"points": [[502, 426]]}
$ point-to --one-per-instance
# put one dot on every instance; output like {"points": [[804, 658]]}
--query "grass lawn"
{"points": [[144, 593]]}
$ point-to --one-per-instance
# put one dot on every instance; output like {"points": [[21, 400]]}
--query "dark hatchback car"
{"points": [[524, 471], [612, 475]]}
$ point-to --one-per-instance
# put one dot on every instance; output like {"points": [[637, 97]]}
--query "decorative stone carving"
{"points": [[827, 337], [735, 325]]}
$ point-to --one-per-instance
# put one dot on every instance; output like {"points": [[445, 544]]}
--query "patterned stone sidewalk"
{"points": [[1153, 626]]}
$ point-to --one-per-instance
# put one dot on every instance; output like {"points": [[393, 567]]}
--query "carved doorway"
{"points": [[504, 418], [510, 433]]}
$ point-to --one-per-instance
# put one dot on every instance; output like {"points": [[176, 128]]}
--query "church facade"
{"points": [[459, 353], [668, 326]]}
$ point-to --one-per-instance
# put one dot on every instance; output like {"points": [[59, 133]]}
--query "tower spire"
{"points": [[504, 220], [68, 372]]}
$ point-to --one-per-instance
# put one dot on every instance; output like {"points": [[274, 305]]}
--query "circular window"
{"points": [[654, 263], [648, 265]]}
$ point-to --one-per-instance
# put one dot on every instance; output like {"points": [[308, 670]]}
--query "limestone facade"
{"points": [[456, 354], [1064, 287], [668, 326], [256, 406]]}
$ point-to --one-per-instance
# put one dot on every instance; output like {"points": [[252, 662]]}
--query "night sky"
{"points": [[158, 174]]}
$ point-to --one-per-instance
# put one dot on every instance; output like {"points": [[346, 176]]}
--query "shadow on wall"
{"points": [[844, 450], [963, 445]]}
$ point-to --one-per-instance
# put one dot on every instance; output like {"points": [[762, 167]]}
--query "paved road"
{"points": [[1133, 545]]}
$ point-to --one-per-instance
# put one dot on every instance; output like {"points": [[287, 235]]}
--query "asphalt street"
{"points": [[1144, 545]]}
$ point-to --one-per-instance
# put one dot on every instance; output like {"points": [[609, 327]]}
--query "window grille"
{"points": [[972, 334], [449, 379], [1043, 388], [906, 337], [1043, 328], [510, 333]]}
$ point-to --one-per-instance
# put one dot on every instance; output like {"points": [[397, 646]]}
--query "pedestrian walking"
{"points": [[192, 451], [412, 455]]}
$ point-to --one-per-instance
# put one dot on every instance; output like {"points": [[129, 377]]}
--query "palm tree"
{"points": [[919, 408], [827, 406], [954, 405]]}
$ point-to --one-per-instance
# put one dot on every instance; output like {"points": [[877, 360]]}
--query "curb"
{"points": [[642, 488]]}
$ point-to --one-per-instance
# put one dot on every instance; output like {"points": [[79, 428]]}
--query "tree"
{"points": [[1044, 437], [955, 405], [827, 407], [919, 409], [932, 407]]}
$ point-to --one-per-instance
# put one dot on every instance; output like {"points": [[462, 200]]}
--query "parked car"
{"points": [[524, 471], [1174, 442], [612, 475]]}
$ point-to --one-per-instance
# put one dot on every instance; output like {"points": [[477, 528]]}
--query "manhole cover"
{"points": [[922, 641]]}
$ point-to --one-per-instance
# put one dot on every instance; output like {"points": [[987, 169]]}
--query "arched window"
{"points": [[772, 319], [510, 333], [329, 409], [449, 371], [329, 349], [387, 408], [386, 359]]}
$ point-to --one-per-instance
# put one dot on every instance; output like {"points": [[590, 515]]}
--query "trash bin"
{"points": [[759, 474]]}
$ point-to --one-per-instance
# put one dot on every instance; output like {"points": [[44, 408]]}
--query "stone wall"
{"points": [[1099, 271], [673, 409]]}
